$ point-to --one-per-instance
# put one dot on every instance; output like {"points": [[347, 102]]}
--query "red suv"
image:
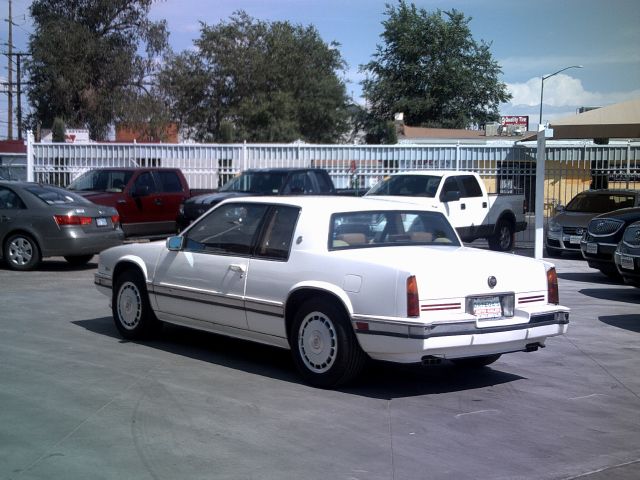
{"points": [[147, 199]]}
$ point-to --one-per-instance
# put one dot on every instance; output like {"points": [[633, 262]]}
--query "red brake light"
{"points": [[115, 219], [553, 296], [72, 220], [413, 303]]}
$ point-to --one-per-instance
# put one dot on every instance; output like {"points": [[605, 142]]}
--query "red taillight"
{"points": [[115, 219], [72, 220], [413, 303], [553, 296]]}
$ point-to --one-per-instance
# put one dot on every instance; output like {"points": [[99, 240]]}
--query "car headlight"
{"points": [[554, 226]]}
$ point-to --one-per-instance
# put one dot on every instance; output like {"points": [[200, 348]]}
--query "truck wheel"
{"points": [[503, 239], [21, 252], [130, 306], [324, 347]]}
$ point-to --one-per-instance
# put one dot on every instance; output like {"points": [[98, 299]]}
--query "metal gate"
{"points": [[570, 168]]}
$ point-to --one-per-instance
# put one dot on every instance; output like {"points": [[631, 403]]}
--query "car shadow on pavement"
{"points": [[379, 380], [627, 322], [623, 293], [590, 277], [55, 266]]}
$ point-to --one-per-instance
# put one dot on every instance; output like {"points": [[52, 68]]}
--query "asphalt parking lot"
{"points": [[78, 402]]}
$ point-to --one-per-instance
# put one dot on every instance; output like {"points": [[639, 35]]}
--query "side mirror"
{"points": [[175, 244], [559, 208], [450, 196]]}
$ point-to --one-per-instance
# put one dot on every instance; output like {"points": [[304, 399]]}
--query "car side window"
{"points": [[228, 230], [9, 200], [169, 182], [276, 242], [451, 185], [324, 183], [470, 186], [144, 184], [300, 183]]}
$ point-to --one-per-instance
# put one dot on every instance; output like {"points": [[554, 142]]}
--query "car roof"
{"points": [[609, 191], [280, 169], [437, 173], [23, 184], [335, 203], [133, 169]]}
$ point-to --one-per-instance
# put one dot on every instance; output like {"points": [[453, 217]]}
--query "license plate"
{"points": [[626, 262], [487, 307], [592, 248], [101, 222], [575, 239]]}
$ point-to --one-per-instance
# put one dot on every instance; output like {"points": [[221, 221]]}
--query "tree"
{"points": [[58, 130], [258, 81], [430, 68], [85, 66]]}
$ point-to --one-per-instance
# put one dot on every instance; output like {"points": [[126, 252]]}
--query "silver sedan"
{"points": [[38, 221]]}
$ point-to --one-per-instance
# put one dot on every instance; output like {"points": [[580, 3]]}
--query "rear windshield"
{"points": [[407, 185], [385, 228], [54, 195], [600, 202], [101, 181]]}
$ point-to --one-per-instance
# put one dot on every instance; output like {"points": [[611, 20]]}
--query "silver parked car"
{"points": [[39, 221], [565, 229]]}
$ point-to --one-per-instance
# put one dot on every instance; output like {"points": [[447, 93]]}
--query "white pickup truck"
{"points": [[463, 198]]}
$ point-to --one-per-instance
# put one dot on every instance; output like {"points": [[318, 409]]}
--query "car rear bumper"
{"points": [[412, 342], [74, 241]]}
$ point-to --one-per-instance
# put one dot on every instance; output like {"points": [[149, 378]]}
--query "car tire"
{"points": [[21, 252], [78, 260], [503, 239], [324, 346], [131, 309], [476, 362]]}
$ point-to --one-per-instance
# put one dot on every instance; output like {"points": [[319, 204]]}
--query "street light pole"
{"points": [[542, 87]]}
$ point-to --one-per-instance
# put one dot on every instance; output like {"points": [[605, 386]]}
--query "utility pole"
{"points": [[18, 97], [10, 79]]}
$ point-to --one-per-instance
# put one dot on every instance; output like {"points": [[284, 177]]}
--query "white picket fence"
{"points": [[570, 169]]}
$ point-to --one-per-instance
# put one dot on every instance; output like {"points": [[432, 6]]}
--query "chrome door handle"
{"points": [[4, 218]]}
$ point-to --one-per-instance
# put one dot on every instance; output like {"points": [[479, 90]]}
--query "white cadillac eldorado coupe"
{"points": [[336, 280]]}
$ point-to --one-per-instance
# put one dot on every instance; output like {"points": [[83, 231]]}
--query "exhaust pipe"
{"points": [[431, 360], [532, 347]]}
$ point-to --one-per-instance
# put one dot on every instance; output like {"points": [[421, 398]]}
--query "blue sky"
{"points": [[529, 39]]}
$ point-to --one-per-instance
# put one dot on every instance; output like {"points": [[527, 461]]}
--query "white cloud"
{"points": [[563, 91]]}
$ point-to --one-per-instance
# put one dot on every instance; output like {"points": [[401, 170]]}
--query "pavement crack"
{"points": [[604, 469], [603, 368], [48, 453], [491, 410]]}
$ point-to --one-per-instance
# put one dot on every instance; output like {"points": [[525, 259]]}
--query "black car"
{"points": [[564, 230], [265, 181], [602, 237], [627, 255]]}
